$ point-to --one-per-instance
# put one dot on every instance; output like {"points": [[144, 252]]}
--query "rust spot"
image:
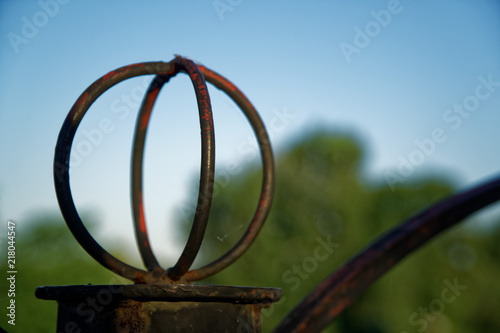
{"points": [[130, 317]]}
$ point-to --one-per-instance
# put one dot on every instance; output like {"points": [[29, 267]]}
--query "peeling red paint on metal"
{"points": [[108, 76], [141, 216]]}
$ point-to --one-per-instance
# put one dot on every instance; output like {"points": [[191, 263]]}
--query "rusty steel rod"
{"points": [[332, 296], [207, 171], [206, 177], [141, 232], [62, 157], [267, 188]]}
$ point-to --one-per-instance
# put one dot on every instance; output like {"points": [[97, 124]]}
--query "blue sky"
{"points": [[396, 73]]}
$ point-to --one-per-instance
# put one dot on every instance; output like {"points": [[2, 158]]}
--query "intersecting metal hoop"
{"points": [[180, 272]]}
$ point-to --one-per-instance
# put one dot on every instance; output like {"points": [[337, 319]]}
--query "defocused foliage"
{"points": [[321, 197], [47, 255]]}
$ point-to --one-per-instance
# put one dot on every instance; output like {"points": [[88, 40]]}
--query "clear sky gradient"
{"points": [[417, 81]]}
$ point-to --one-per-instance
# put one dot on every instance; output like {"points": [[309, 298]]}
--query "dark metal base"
{"points": [[159, 308]]}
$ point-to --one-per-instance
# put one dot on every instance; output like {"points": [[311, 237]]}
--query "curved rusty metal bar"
{"points": [[206, 176], [330, 298], [141, 232], [62, 157], [267, 189]]}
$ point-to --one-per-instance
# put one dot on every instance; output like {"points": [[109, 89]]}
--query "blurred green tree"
{"points": [[321, 199], [47, 255]]}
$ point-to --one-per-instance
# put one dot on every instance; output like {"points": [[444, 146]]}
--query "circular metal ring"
{"points": [[267, 188], [63, 150], [206, 177]]}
